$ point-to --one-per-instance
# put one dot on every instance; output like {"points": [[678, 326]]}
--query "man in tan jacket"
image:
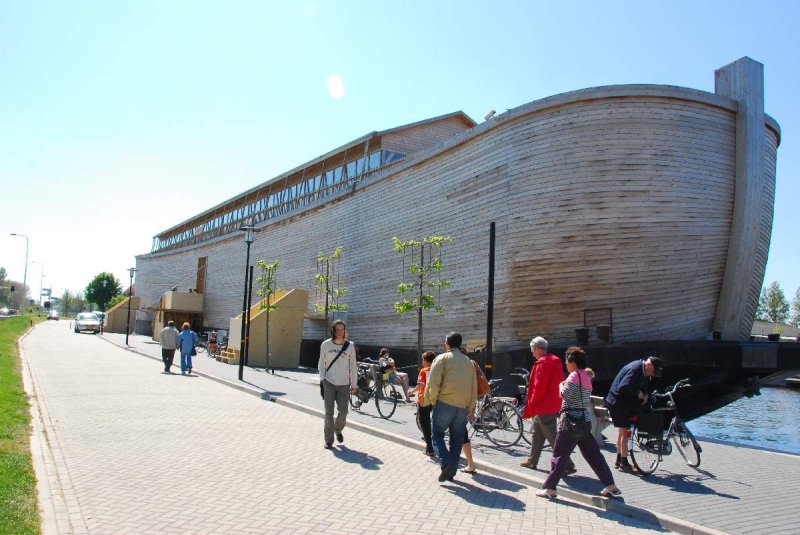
{"points": [[452, 389]]}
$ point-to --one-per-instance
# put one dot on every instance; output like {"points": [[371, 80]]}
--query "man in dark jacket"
{"points": [[543, 402], [625, 398]]}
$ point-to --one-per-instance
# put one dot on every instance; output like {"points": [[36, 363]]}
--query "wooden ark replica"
{"points": [[644, 208]]}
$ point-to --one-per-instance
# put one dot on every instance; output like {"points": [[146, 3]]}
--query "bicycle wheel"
{"points": [[502, 423], [686, 444], [527, 428], [354, 401], [386, 399], [644, 451]]}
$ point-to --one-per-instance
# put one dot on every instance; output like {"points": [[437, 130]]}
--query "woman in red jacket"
{"points": [[543, 401]]}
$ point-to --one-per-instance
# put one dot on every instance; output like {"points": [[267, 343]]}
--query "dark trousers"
{"points": [[425, 423], [338, 395], [167, 355], [590, 451]]}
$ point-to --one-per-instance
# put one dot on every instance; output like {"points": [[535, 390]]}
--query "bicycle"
{"points": [[371, 384], [648, 443], [497, 418], [527, 423]]}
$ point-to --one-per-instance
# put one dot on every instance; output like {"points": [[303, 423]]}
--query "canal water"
{"points": [[766, 421]]}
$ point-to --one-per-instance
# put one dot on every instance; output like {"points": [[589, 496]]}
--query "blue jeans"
{"points": [[454, 419], [186, 361]]}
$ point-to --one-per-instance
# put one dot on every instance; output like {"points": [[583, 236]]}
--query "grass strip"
{"points": [[18, 506]]}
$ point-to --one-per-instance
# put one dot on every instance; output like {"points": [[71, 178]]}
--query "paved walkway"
{"points": [[116, 426]]}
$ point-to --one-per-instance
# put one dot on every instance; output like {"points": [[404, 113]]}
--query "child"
{"points": [[423, 407]]}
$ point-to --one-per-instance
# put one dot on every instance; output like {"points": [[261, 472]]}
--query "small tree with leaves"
{"points": [[796, 309], [329, 284], [266, 289], [102, 289], [421, 288], [772, 305]]}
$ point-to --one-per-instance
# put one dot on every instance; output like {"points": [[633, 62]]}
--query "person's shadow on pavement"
{"points": [[366, 460], [482, 497]]}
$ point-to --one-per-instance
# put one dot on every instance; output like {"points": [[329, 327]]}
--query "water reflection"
{"points": [[767, 421]]}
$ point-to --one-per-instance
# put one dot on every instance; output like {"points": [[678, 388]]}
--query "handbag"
{"points": [[344, 348], [575, 427], [194, 351]]}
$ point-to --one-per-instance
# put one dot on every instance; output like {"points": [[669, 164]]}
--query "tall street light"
{"points": [[130, 298], [248, 239], [25, 276]]}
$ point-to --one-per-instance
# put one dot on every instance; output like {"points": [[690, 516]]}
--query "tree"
{"points": [[115, 300], [267, 288], [71, 303], [425, 278], [102, 289], [796, 309], [772, 305], [327, 272]]}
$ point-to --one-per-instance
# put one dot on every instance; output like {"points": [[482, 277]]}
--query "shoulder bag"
{"points": [[576, 427], [344, 348]]}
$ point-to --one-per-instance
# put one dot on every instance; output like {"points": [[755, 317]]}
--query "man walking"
{"points": [[337, 373], [543, 401], [169, 343], [452, 390], [625, 398]]}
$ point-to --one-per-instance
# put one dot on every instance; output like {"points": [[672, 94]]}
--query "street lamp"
{"points": [[25, 276], [130, 298], [248, 239]]}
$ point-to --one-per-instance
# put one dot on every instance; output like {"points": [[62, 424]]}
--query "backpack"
{"points": [[483, 383]]}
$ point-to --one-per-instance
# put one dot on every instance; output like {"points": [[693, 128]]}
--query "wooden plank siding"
{"points": [[622, 202]]}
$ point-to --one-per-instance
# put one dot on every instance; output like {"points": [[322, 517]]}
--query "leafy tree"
{"points": [[772, 305], [267, 288], [796, 309], [425, 278], [71, 303], [115, 300], [102, 289], [327, 273]]}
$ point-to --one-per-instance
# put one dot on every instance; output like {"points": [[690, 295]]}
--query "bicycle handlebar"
{"points": [[680, 385]]}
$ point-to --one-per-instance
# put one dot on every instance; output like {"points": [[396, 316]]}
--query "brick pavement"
{"points": [[737, 490], [136, 451]]}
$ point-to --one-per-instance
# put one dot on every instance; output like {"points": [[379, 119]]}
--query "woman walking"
{"points": [[186, 341], [576, 393]]}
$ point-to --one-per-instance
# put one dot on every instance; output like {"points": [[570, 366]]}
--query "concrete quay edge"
{"points": [[665, 521]]}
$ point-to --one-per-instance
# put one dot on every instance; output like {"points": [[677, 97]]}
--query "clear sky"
{"points": [[120, 119]]}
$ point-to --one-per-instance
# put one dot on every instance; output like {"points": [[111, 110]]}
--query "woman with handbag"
{"points": [[574, 428], [186, 341]]}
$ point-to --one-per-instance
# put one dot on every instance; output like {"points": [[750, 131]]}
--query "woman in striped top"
{"points": [[576, 392]]}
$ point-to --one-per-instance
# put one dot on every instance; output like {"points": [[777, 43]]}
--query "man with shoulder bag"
{"points": [[337, 375]]}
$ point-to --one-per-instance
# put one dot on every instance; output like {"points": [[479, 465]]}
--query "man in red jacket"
{"points": [[543, 402]]}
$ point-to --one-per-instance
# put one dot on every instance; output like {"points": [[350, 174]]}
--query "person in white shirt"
{"points": [[338, 377], [169, 343]]}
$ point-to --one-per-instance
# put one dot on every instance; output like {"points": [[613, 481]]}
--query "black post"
{"points": [[247, 332], [490, 303], [244, 305], [130, 298]]}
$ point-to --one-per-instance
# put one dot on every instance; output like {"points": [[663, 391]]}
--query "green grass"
{"points": [[18, 507]]}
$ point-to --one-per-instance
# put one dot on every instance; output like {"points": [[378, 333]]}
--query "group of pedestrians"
{"points": [[447, 392], [171, 340]]}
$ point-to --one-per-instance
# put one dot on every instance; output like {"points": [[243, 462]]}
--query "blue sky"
{"points": [[120, 119]]}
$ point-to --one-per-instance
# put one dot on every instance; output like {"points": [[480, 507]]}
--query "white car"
{"points": [[87, 321]]}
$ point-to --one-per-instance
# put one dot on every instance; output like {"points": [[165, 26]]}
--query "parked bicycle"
{"points": [[372, 384], [527, 423], [496, 418], [648, 443]]}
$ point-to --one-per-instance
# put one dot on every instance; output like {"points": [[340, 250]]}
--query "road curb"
{"points": [[662, 520]]}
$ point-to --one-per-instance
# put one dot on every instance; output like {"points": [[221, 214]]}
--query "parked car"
{"points": [[4, 311], [52, 315], [87, 321]]}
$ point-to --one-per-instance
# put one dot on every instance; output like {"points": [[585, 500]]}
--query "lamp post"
{"points": [[102, 321], [130, 298], [248, 239], [25, 276]]}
